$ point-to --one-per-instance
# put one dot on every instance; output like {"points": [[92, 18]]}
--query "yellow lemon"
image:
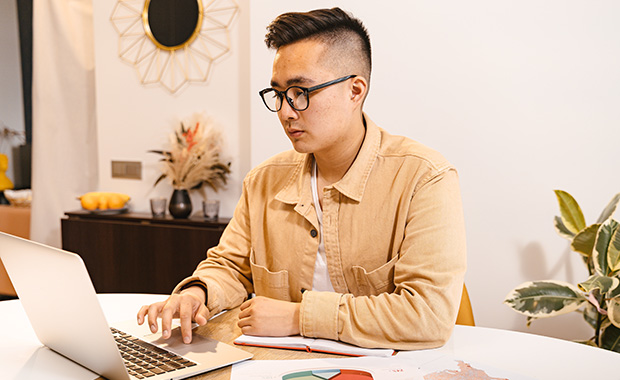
{"points": [[115, 201], [89, 202], [103, 202]]}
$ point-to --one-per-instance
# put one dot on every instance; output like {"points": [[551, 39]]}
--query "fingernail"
{"points": [[153, 328], [187, 339], [166, 333]]}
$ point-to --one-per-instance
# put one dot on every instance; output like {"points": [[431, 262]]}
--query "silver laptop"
{"points": [[60, 301]]}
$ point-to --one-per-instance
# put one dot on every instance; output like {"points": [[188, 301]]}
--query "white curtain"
{"points": [[64, 162]]}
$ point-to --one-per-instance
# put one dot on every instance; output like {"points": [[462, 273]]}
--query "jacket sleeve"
{"points": [[226, 270], [428, 278]]}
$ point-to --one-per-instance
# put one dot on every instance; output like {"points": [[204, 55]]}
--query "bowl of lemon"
{"points": [[101, 202]]}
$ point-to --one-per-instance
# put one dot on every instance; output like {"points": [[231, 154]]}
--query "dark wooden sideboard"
{"points": [[136, 253]]}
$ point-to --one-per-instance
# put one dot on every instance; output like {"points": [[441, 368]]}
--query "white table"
{"points": [[533, 356], [23, 357]]}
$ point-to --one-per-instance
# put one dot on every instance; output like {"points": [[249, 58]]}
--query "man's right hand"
{"points": [[188, 306]]}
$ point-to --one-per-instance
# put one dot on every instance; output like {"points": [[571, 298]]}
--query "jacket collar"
{"points": [[352, 185]]}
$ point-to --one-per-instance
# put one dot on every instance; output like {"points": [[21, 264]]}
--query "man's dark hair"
{"points": [[334, 27]]}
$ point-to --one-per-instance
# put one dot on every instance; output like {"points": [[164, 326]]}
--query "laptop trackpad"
{"points": [[175, 342]]}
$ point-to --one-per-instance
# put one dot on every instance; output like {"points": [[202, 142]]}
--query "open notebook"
{"points": [[311, 345]]}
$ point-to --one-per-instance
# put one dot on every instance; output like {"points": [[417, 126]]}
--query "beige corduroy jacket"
{"points": [[394, 239]]}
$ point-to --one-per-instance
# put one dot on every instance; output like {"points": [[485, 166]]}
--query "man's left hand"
{"points": [[269, 317]]}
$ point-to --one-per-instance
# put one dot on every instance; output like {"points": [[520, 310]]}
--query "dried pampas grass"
{"points": [[194, 156]]}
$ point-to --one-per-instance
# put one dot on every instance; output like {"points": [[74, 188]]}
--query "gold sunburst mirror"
{"points": [[173, 42]]}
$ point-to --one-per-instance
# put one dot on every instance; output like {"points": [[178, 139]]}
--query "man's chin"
{"points": [[300, 148]]}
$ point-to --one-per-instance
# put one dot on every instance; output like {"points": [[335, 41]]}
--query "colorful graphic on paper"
{"points": [[329, 374], [465, 372]]}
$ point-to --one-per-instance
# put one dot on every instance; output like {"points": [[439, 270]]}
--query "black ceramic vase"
{"points": [[180, 204]]}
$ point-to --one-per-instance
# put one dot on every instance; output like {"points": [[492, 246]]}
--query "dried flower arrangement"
{"points": [[194, 158], [10, 136]]}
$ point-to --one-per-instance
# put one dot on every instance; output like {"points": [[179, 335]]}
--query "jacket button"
{"points": [[313, 233]]}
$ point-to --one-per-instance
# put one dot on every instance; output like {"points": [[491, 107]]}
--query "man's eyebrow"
{"points": [[292, 82]]}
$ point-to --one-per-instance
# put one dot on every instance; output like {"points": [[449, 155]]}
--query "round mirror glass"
{"points": [[172, 25]]}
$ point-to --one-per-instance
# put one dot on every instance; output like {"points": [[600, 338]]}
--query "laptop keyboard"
{"points": [[143, 359]]}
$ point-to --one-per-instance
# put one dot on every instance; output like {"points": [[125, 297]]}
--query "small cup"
{"points": [[158, 207], [211, 209]]}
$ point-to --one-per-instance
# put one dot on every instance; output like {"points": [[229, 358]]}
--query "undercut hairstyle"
{"points": [[345, 36]]}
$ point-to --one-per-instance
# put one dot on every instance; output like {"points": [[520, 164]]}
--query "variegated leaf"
{"points": [[613, 252], [590, 314], [601, 245], [572, 216], [603, 283], [610, 338], [583, 242], [613, 310], [561, 228], [609, 209], [589, 342], [541, 299], [528, 321], [614, 292]]}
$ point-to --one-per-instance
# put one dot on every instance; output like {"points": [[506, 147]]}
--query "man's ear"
{"points": [[359, 89]]}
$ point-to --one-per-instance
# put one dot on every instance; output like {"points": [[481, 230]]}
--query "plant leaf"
{"points": [[561, 228], [590, 315], [583, 242], [613, 251], [159, 179], [609, 209], [603, 283], [614, 292], [162, 152], [528, 321], [572, 216], [601, 246], [610, 338], [589, 342], [541, 299], [613, 310]]}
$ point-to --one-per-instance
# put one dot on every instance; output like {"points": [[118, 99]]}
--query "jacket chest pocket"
{"points": [[375, 282], [267, 283]]}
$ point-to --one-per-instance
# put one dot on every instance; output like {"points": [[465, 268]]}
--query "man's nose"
{"points": [[287, 112]]}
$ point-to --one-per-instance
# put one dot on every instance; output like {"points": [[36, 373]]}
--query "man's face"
{"points": [[325, 123]]}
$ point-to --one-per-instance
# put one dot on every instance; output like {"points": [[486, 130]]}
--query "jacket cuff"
{"points": [[318, 315], [211, 292], [199, 284]]}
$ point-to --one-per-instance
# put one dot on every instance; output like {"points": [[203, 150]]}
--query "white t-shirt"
{"points": [[320, 281]]}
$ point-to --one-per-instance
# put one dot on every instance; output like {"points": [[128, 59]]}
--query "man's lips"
{"points": [[294, 132]]}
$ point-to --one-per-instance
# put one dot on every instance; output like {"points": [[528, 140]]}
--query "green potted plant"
{"points": [[597, 298]]}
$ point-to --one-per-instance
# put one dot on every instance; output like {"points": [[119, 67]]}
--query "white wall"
{"points": [[521, 96], [132, 118], [11, 96]]}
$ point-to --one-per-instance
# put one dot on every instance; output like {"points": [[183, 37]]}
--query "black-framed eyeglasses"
{"points": [[296, 96]]}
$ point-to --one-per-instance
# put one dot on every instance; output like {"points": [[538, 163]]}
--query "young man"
{"points": [[355, 235]]}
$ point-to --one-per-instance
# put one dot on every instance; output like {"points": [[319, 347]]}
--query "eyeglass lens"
{"points": [[297, 98]]}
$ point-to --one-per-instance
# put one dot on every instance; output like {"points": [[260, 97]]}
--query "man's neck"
{"points": [[332, 166]]}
